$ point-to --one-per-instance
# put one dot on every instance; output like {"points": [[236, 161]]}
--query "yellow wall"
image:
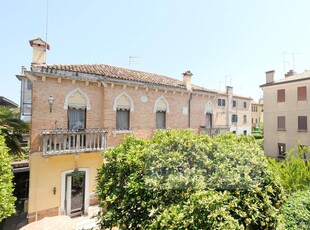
{"points": [[46, 172]]}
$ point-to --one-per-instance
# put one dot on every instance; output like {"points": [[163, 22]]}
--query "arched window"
{"points": [[209, 114], [161, 108], [123, 104], [76, 102]]}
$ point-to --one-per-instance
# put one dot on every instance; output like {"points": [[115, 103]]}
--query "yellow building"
{"points": [[286, 112], [257, 113]]}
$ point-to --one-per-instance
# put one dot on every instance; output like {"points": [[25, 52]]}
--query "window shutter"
{"points": [[281, 123], [302, 123], [302, 93], [281, 95]]}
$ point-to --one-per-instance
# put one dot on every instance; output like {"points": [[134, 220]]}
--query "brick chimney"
{"points": [[270, 76], [187, 77], [39, 51]]}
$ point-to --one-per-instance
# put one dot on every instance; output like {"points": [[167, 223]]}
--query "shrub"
{"points": [[6, 187], [293, 172], [179, 180], [296, 210]]}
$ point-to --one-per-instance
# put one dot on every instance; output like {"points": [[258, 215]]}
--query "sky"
{"points": [[222, 42]]}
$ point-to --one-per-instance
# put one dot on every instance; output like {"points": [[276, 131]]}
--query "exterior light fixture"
{"points": [[51, 102]]}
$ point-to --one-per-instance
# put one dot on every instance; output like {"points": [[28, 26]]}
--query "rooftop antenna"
{"points": [[294, 60], [46, 25], [132, 59]]}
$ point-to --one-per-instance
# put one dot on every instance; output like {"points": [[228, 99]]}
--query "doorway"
{"points": [[75, 193], [209, 120]]}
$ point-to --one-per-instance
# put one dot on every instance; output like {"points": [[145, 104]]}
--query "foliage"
{"points": [[179, 180], [6, 187], [297, 210], [13, 128], [294, 171]]}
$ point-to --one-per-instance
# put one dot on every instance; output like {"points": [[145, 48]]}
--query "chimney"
{"points": [[270, 76], [187, 76], [290, 73], [39, 51]]}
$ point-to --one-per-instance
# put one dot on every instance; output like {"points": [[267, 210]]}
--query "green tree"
{"points": [[179, 180], [12, 128], [6, 186]]}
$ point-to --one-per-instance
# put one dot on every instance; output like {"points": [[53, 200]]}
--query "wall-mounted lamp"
{"points": [[54, 190], [50, 102]]}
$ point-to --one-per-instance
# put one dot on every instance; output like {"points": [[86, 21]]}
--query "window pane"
{"points": [[281, 123], [234, 103], [282, 149], [244, 119], [302, 93], [160, 120], [122, 119], [244, 104], [76, 119], [302, 123], [219, 102], [281, 95], [223, 102]]}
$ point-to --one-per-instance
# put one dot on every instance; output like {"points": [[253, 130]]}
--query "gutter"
{"points": [[189, 109]]}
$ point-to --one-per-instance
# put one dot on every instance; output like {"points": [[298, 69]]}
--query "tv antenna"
{"points": [[293, 60], [132, 60], [46, 25]]}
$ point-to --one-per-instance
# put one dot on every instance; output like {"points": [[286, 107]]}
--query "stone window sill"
{"points": [[302, 130], [281, 129], [116, 132]]}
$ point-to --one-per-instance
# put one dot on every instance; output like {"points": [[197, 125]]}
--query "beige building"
{"points": [[257, 113], [286, 112], [78, 111]]}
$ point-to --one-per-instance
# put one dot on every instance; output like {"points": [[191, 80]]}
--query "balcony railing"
{"points": [[213, 131], [57, 142]]}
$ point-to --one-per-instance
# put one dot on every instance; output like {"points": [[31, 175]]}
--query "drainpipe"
{"points": [[189, 109]]}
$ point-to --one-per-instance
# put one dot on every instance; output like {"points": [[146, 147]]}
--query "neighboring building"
{"points": [[25, 99], [286, 112], [78, 111], [234, 111], [7, 102], [257, 113]]}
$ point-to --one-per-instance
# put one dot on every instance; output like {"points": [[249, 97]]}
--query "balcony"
{"points": [[60, 142], [212, 132]]}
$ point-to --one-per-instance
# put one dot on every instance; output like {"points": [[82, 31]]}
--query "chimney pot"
{"points": [[39, 51], [187, 77]]}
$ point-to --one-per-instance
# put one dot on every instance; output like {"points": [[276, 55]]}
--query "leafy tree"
{"points": [[179, 180], [294, 171], [13, 128], [6, 187]]}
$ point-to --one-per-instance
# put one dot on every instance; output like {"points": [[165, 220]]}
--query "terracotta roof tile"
{"points": [[102, 70]]}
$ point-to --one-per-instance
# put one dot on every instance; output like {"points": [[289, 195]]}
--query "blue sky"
{"points": [[218, 41]]}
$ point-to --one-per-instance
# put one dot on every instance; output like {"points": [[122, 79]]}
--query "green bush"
{"points": [[293, 172], [296, 211], [179, 180], [6, 187]]}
